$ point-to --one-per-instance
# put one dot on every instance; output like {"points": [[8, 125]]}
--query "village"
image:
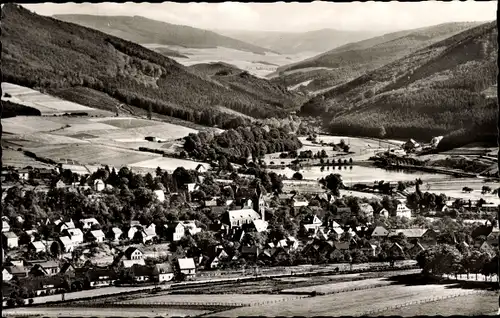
{"points": [[64, 232]]}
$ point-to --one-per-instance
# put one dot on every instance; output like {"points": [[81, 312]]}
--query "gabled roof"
{"points": [[397, 246], [243, 214], [186, 263], [97, 233], [10, 235], [38, 245], [260, 226], [129, 263], [117, 230], [410, 233], [75, 232], [129, 251], [163, 268], [341, 245], [66, 240]]}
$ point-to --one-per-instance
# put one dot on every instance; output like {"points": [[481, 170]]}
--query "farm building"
{"points": [[160, 195], [10, 240], [403, 211], [187, 267], [163, 273]]}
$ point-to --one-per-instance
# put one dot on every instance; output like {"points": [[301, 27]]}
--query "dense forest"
{"points": [[354, 59], [435, 91], [10, 109], [236, 145], [48, 54]]}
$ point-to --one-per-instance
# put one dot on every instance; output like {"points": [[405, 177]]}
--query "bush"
{"points": [[31, 301]]}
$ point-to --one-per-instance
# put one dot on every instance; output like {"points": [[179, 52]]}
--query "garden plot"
{"points": [[93, 154], [229, 299], [46, 104], [354, 303], [169, 164]]}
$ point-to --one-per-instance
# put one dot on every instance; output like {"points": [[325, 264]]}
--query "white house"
{"points": [[237, 218], [37, 247], [313, 224], [403, 211], [67, 226], [97, 236], [299, 202], [191, 227], [115, 234], [6, 276], [187, 266], [10, 240], [160, 195], [192, 187], [384, 213], [5, 226], [88, 223], [99, 185], [76, 235], [163, 273], [131, 232], [67, 244], [175, 231]]}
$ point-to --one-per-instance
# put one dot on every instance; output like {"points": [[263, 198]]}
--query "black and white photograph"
{"points": [[227, 159]]}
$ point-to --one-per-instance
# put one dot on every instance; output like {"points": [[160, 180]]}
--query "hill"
{"points": [[355, 59], [297, 42], [238, 80], [435, 91], [144, 31], [56, 56]]}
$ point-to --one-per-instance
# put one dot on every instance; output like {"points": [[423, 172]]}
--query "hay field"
{"points": [[354, 303], [102, 312], [93, 154], [29, 124], [46, 104], [126, 122], [169, 164], [18, 159], [214, 298], [337, 287], [470, 305]]}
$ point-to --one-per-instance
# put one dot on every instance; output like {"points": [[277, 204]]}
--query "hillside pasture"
{"points": [[102, 312], [169, 164], [126, 122], [29, 124], [93, 154], [163, 131], [46, 104], [19, 160], [33, 140]]}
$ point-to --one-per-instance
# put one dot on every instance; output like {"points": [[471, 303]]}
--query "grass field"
{"points": [[169, 164], [214, 298], [163, 131], [103, 312], [126, 122], [470, 305], [93, 154], [46, 104], [29, 124], [18, 159], [336, 287], [354, 303]]}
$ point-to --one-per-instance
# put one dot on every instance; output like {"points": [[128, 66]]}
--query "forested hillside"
{"points": [[355, 59], [145, 31], [297, 42], [52, 55], [434, 91], [242, 81]]}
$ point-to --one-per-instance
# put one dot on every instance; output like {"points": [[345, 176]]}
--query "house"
{"points": [[190, 227], [201, 168], [100, 277], [114, 234], [402, 211], [31, 234], [96, 236], [23, 174], [411, 145], [250, 251], [60, 184], [141, 273], [44, 268], [160, 195], [312, 224], [19, 271], [415, 250], [487, 248], [5, 226], [66, 226], [10, 240], [67, 245], [174, 231], [238, 218], [36, 247], [88, 223], [76, 235], [383, 212], [162, 273], [299, 201], [369, 250], [6, 275], [366, 209], [336, 232], [130, 231], [396, 251], [192, 187], [260, 225], [187, 267], [44, 285], [99, 185], [379, 232], [133, 253]]}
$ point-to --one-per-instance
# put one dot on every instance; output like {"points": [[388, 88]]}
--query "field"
{"points": [[355, 303], [168, 164], [46, 104], [337, 287], [230, 299], [18, 159], [470, 305], [103, 312]]}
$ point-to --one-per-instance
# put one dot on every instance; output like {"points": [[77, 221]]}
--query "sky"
{"points": [[290, 17]]}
